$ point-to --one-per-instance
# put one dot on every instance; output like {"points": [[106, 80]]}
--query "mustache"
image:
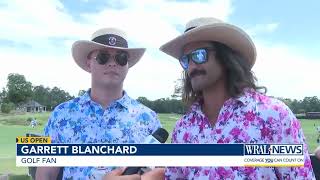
{"points": [[197, 72]]}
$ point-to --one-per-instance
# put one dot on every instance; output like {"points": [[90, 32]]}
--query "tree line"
{"points": [[19, 90], [164, 105], [307, 104]]}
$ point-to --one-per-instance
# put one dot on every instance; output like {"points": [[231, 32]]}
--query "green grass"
{"points": [[310, 132], [7, 151], [8, 134], [168, 122], [20, 177], [14, 125]]}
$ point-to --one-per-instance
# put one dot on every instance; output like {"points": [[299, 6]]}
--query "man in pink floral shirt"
{"points": [[226, 106]]}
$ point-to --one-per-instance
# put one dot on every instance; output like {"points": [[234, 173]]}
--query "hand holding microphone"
{"points": [[155, 174], [158, 137], [116, 175]]}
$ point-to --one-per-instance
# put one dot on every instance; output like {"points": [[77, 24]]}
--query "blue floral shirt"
{"points": [[82, 120]]}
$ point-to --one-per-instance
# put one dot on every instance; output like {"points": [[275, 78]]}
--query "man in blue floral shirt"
{"points": [[105, 113]]}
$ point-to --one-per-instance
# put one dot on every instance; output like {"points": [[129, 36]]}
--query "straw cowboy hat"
{"points": [[211, 29], [106, 38]]}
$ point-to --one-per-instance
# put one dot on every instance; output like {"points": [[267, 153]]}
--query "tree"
{"points": [[308, 104], [19, 90], [57, 96], [164, 105], [3, 96], [177, 89], [81, 92], [311, 104], [177, 106], [287, 101], [296, 107], [146, 102], [42, 95]]}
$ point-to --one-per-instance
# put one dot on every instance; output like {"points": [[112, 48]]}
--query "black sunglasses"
{"points": [[120, 58], [198, 56]]}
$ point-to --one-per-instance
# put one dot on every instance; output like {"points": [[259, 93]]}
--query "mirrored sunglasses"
{"points": [[198, 56]]}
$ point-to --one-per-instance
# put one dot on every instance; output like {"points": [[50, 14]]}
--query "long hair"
{"points": [[237, 71]]}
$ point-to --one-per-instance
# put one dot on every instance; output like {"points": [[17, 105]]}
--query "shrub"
{"points": [[301, 116], [7, 107], [29, 119]]}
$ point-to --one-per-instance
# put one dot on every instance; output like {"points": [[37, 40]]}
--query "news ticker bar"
{"points": [[129, 149], [158, 149], [241, 161], [43, 153]]}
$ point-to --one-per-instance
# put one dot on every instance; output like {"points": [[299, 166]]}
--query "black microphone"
{"points": [[158, 137]]}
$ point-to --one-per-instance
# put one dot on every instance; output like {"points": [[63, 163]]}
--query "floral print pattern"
{"points": [[251, 118], [82, 120]]}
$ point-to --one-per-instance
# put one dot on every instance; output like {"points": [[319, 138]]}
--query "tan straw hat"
{"points": [[212, 29], [105, 38]]}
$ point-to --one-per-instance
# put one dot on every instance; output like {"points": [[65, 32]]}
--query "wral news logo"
{"points": [[273, 149]]}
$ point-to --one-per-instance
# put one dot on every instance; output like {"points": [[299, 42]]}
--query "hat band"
{"points": [[188, 29], [111, 40]]}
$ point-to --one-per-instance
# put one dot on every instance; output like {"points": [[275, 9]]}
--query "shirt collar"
{"points": [[123, 101], [245, 98], [85, 98]]}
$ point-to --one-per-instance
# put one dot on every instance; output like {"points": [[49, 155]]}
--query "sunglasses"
{"points": [[121, 58], [198, 56]]}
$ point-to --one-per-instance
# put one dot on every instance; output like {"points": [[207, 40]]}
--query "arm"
{"points": [[155, 174], [49, 173], [155, 122], [117, 175], [291, 132]]}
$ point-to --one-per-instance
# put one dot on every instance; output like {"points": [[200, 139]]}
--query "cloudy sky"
{"points": [[36, 38]]}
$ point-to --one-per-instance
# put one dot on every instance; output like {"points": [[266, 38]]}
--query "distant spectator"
{"points": [[318, 130], [33, 122]]}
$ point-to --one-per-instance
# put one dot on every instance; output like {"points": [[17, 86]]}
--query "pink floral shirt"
{"points": [[251, 118]]}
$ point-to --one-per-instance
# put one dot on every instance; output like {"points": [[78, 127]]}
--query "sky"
{"points": [[36, 39]]}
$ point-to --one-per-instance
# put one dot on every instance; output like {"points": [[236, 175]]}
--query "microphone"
{"points": [[158, 137]]}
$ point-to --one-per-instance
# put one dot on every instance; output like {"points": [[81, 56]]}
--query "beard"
{"points": [[202, 82], [198, 85]]}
